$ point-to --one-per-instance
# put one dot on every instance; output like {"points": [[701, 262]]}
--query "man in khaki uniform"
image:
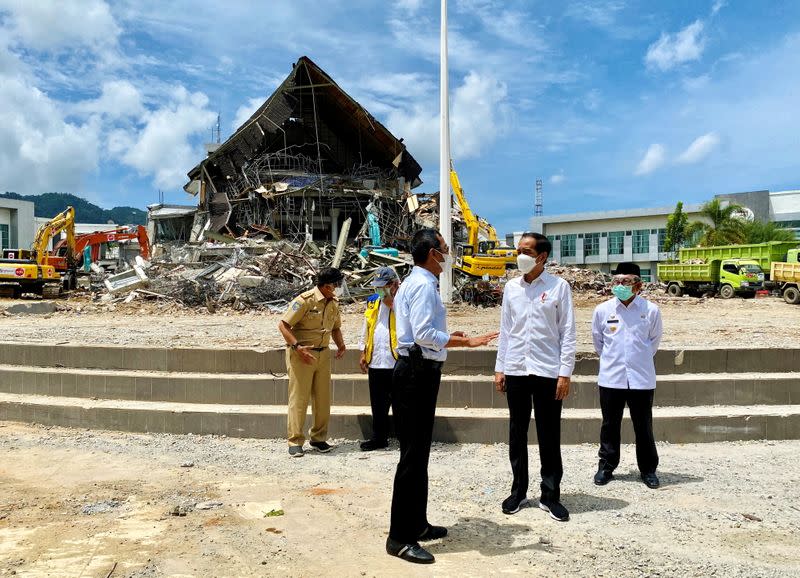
{"points": [[307, 326]]}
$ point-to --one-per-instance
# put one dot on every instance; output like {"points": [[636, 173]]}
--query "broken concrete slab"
{"points": [[32, 308]]}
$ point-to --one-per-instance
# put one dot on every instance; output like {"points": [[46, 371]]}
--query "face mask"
{"points": [[381, 292], [338, 291], [448, 260], [525, 263], [622, 292]]}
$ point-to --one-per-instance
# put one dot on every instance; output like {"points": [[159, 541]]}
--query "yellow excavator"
{"points": [[492, 245], [469, 258], [30, 271]]}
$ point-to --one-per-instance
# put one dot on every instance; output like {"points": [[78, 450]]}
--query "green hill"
{"points": [[50, 204]]}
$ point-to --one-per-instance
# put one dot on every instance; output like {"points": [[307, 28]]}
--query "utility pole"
{"points": [[445, 222], [537, 207]]}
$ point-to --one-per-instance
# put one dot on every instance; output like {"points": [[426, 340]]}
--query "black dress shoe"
{"points": [[602, 477], [433, 533], [409, 552], [371, 445], [651, 481]]}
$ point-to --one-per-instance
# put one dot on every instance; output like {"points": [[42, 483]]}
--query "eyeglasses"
{"points": [[625, 280]]}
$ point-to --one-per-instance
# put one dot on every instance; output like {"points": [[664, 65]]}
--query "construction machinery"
{"points": [[785, 276], [727, 270], [468, 257], [492, 245], [96, 242], [31, 271]]}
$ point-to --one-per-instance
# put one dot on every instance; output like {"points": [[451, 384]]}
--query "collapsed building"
{"points": [[307, 160]]}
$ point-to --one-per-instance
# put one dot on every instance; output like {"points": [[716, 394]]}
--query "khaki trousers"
{"points": [[309, 381]]}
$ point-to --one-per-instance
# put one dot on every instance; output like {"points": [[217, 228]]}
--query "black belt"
{"points": [[311, 348], [415, 356]]}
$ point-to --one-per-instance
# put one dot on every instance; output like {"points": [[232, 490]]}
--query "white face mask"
{"points": [[338, 291], [448, 259], [525, 263]]}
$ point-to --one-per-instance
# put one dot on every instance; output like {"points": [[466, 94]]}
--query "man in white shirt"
{"points": [[378, 348], [422, 343], [535, 359], [626, 331]]}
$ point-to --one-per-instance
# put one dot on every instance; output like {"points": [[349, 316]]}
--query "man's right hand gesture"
{"points": [[500, 381], [482, 340]]}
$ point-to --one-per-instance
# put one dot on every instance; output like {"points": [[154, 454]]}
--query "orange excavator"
{"points": [[62, 250]]}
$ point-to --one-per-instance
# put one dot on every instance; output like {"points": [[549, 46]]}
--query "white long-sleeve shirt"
{"points": [[420, 315], [537, 328], [627, 338], [382, 357]]}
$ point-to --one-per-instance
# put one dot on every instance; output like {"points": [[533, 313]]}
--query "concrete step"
{"points": [[457, 391], [266, 361], [673, 424]]}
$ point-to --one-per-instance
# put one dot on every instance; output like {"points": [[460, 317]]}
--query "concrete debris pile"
{"points": [[241, 274], [582, 280]]}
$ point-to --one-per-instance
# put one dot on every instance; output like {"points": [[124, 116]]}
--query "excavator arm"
{"points": [[64, 221], [470, 220]]}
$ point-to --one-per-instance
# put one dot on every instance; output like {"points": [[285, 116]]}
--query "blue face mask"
{"points": [[381, 292], [622, 292]]}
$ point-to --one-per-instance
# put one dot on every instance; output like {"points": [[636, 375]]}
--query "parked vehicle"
{"points": [[785, 277]]}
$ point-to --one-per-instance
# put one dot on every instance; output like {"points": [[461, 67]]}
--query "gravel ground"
{"points": [[688, 323], [75, 502]]}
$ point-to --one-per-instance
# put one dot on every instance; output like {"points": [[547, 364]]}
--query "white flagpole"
{"points": [[445, 223]]}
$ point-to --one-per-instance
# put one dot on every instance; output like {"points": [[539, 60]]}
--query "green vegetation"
{"points": [[50, 204]]}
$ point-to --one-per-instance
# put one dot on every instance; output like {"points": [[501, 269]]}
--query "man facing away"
{"points": [[535, 359], [308, 325], [422, 343], [379, 353], [626, 331]]}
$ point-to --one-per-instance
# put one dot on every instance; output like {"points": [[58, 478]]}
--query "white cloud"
{"points": [[53, 24], [558, 178], [670, 50], [718, 5], [39, 150], [119, 99], [599, 14], [700, 148], [162, 147], [654, 158], [478, 116], [411, 6], [245, 111]]}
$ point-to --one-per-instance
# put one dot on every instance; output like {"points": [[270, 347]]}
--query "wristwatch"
{"points": [[294, 346]]}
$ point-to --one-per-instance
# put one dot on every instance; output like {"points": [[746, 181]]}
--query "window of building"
{"points": [[662, 237], [4, 241], [793, 225], [591, 244], [646, 275], [568, 243], [616, 242], [641, 241]]}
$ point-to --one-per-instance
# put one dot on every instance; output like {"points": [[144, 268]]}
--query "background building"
{"points": [[600, 240], [17, 227]]}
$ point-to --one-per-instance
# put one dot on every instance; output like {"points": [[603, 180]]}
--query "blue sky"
{"points": [[614, 103]]}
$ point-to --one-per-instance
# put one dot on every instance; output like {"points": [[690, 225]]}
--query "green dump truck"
{"points": [[728, 277], [785, 277]]}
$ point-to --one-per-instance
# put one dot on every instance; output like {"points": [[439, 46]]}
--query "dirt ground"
{"points": [[80, 503], [688, 322]]}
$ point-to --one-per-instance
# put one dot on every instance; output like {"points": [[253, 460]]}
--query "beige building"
{"points": [[600, 240], [17, 227]]}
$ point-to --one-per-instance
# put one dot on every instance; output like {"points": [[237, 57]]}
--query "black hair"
{"points": [[543, 244], [329, 275], [421, 244]]}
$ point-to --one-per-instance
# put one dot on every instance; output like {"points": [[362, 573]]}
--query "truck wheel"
{"points": [[792, 295], [675, 290], [726, 292]]}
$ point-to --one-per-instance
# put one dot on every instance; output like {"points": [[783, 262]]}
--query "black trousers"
{"points": [[415, 386], [540, 392], [640, 404], [380, 396]]}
